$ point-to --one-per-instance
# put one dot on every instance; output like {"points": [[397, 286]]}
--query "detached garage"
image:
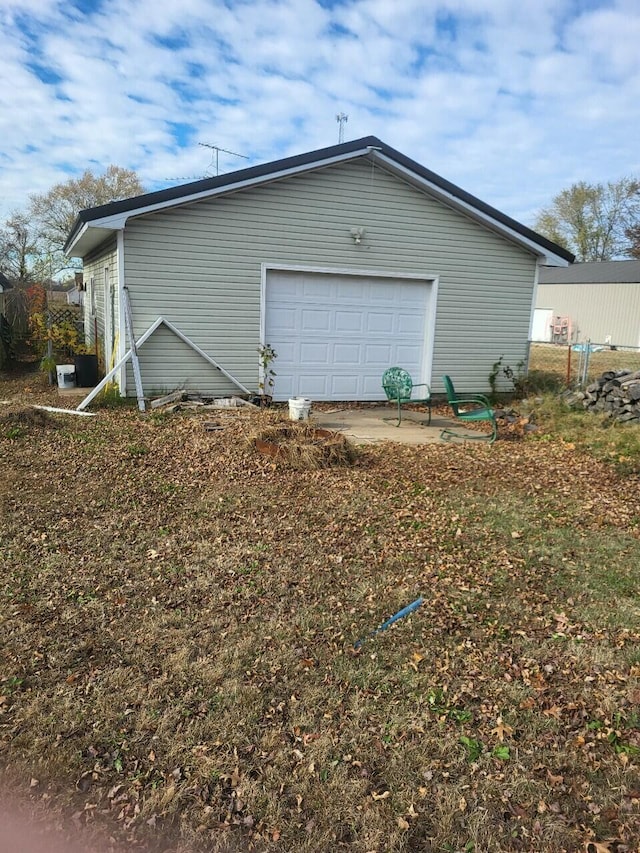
{"points": [[346, 261]]}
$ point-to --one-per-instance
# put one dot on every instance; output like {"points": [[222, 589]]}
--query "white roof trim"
{"points": [[454, 201], [88, 238], [118, 220]]}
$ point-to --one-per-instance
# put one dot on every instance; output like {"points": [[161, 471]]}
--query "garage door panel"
{"points": [[315, 321], [345, 387], [409, 324], [347, 354], [407, 354], [287, 351], [314, 385], [349, 321], [372, 387], [285, 386], [382, 291], [380, 323], [321, 291], [351, 291], [284, 319], [314, 352], [379, 355], [284, 287], [406, 294], [336, 334]]}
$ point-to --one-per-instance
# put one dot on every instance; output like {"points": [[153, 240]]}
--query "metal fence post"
{"points": [[585, 363]]}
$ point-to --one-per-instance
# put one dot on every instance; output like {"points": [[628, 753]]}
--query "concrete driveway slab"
{"points": [[367, 425]]}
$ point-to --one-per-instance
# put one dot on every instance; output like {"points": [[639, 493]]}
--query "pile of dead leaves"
{"points": [[16, 421], [301, 446]]}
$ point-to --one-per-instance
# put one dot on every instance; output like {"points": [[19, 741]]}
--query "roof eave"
{"points": [[88, 238], [80, 241], [113, 217], [485, 217]]}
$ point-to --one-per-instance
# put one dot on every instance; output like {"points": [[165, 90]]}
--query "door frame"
{"points": [[109, 309], [432, 279]]}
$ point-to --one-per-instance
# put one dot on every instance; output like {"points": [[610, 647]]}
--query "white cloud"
{"points": [[512, 101]]}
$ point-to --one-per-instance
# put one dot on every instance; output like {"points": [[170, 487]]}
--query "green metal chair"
{"points": [[399, 388], [481, 411]]}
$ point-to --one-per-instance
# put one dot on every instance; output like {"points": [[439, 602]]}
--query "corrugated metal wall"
{"points": [[597, 311], [200, 266]]}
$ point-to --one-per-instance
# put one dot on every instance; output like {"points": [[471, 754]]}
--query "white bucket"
{"points": [[66, 375], [299, 408]]}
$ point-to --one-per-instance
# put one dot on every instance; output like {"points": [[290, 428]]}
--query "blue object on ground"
{"points": [[399, 615]]}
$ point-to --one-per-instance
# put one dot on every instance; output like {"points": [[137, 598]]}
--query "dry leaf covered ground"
{"points": [[178, 618]]}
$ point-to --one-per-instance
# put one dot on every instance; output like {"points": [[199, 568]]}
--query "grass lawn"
{"points": [[178, 615]]}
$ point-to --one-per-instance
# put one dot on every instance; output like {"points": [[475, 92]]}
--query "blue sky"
{"points": [[512, 100]]}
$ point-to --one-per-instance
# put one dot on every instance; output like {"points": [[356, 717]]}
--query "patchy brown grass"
{"points": [[178, 616], [553, 360]]}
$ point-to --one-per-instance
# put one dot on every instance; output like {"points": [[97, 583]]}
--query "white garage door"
{"points": [[335, 335]]}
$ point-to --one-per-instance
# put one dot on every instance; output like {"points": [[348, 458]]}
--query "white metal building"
{"points": [[600, 301]]}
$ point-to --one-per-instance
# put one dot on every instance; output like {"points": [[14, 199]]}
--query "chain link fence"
{"points": [[576, 365]]}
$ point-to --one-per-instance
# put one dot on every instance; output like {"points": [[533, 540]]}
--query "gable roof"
{"points": [[594, 272], [94, 225]]}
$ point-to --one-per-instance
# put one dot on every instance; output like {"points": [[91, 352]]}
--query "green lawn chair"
{"points": [[399, 388], [480, 411]]}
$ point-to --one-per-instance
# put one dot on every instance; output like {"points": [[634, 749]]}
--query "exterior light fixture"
{"points": [[357, 234]]}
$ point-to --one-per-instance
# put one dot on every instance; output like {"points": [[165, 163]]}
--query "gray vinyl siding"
{"points": [[597, 310], [94, 268], [200, 266]]}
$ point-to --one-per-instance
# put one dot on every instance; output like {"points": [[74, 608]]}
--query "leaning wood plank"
{"points": [[66, 411], [206, 357], [116, 368], [134, 352], [139, 342], [174, 397]]}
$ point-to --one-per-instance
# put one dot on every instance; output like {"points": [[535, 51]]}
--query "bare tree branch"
{"points": [[593, 220], [56, 210]]}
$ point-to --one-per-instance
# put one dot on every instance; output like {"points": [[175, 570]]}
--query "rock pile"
{"points": [[616, 392]]}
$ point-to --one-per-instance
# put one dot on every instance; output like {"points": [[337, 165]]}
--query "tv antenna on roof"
{"points": [[342, 119], [217, 149]]}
